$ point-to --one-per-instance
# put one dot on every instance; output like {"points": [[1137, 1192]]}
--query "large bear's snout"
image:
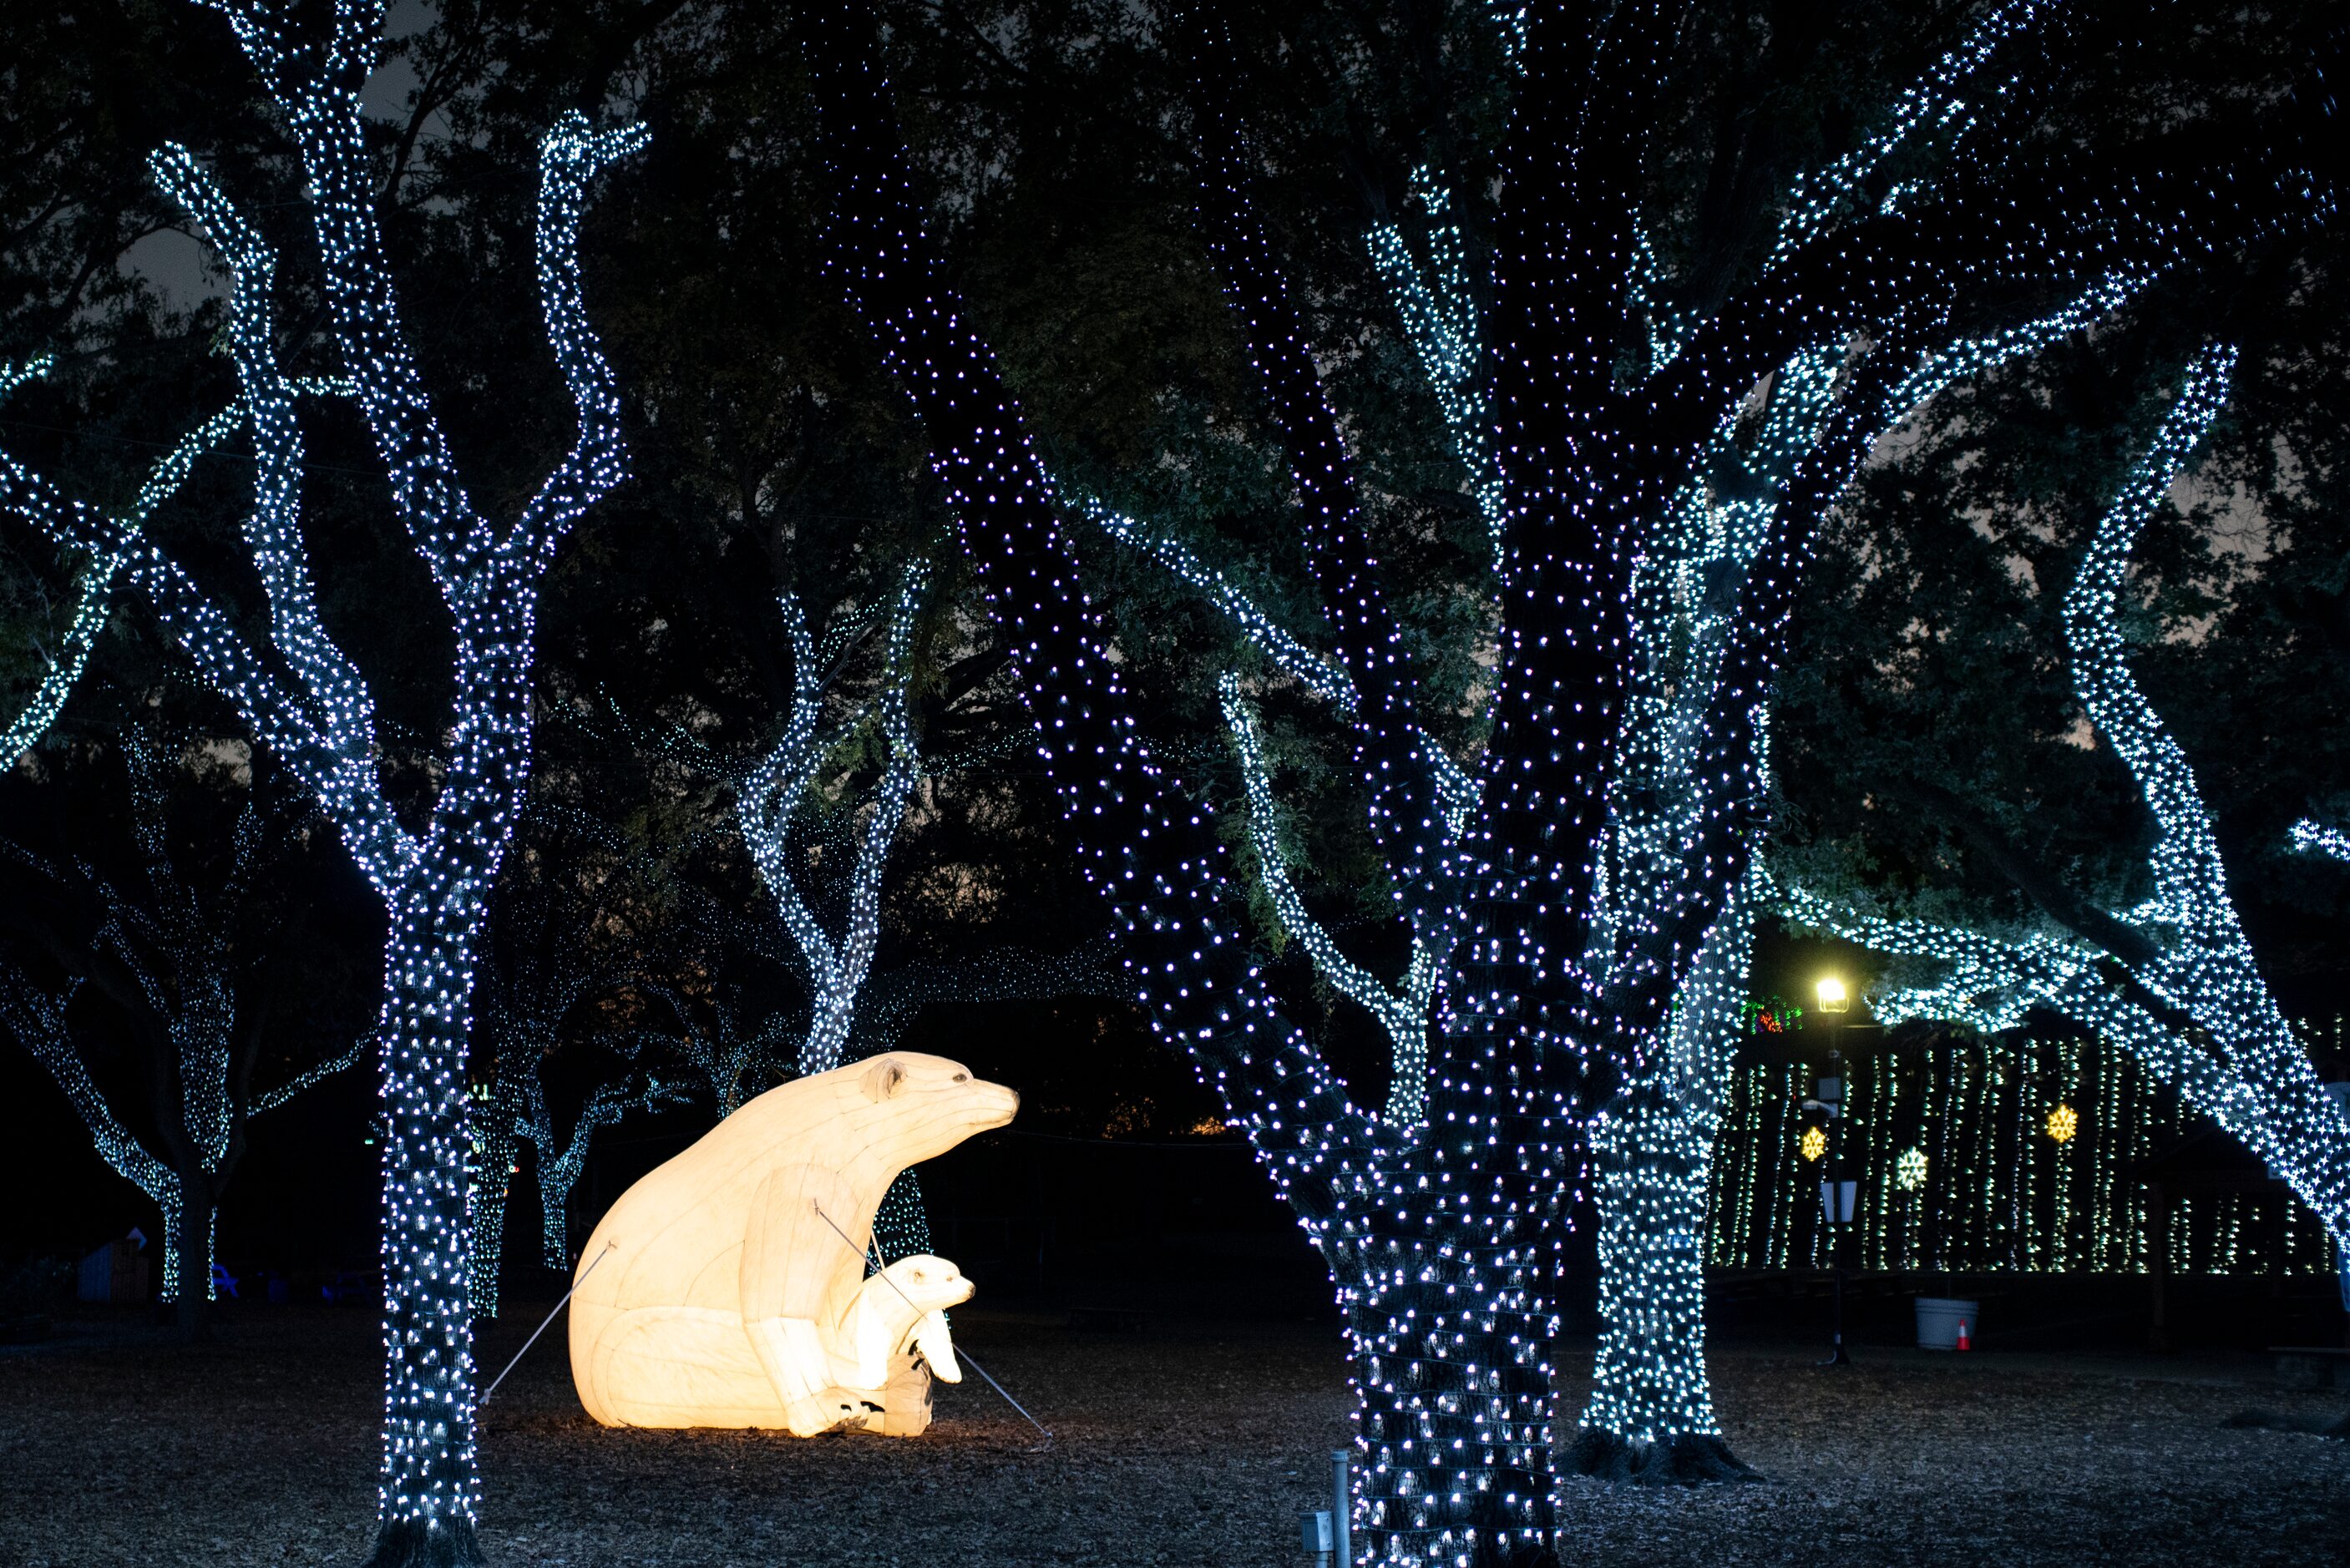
{"points": [[997, 1105]]}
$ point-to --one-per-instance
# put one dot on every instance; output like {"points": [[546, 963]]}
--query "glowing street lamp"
{"points": [[1837, 1192]]}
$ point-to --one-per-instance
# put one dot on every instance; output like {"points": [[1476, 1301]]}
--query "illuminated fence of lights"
{"points": [[1959, 1172]]}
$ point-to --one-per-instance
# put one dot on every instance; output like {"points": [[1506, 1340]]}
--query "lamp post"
{"points": [[1838, 1192]]}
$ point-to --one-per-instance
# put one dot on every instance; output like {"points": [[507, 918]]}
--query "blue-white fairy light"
{"points": [[541, 964], [1649, 1414], [560, 1152], [777, 793], [93, 608], [1406, 1012], [2312, 838], [773, 792], [1437, 304]]}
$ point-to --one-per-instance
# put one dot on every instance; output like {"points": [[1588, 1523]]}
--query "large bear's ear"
{"points": [[884, 1078]]}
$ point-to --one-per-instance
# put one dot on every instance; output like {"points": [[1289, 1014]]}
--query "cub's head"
{"points": [[937, 1102], [931, 1283]]}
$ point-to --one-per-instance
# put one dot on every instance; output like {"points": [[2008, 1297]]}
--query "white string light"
{"points": [[1405, 1011], [775, 791], [1957, 1173]]}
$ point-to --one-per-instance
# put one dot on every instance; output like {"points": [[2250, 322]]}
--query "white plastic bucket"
{"points": [[1939, 1318]]}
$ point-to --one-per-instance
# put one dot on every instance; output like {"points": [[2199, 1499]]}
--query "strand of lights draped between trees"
{"points": [[321, 724], [1957, 1172], [1326, 680], [1456, 787]]}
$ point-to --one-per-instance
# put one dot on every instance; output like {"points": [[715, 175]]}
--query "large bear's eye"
{"points": [[962, 1077]]}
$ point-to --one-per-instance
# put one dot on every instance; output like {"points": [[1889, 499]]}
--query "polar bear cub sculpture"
{"points": [[898, 1338], [728, 1287], [902, 1311]]}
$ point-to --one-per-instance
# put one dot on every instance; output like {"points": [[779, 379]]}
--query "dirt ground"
{"points": [[1180, 1442]]}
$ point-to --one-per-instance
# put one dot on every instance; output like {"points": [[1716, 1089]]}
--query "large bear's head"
{"points": [[931, 1102]]}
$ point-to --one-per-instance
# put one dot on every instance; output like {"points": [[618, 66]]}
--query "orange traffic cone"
{"points": [[1964, 1342]]}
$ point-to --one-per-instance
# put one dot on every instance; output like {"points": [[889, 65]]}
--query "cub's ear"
{"points": [[884, 1079]]}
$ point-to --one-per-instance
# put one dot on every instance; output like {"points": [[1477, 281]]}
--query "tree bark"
{"points": [[1454, 1405], [428, 1479], [1651, 1416], [187, 1260]]}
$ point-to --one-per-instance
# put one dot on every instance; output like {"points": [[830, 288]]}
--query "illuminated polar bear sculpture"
{"points": [[717, 1291]]}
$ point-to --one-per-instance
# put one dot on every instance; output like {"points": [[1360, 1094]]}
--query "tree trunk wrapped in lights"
{"points": [[1442, 1295], [1441, 1240], [308, 705], [778, 797], [1651, 1416], [1699, 542], [2173, 981], [558, 1155], [772, 793]]}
